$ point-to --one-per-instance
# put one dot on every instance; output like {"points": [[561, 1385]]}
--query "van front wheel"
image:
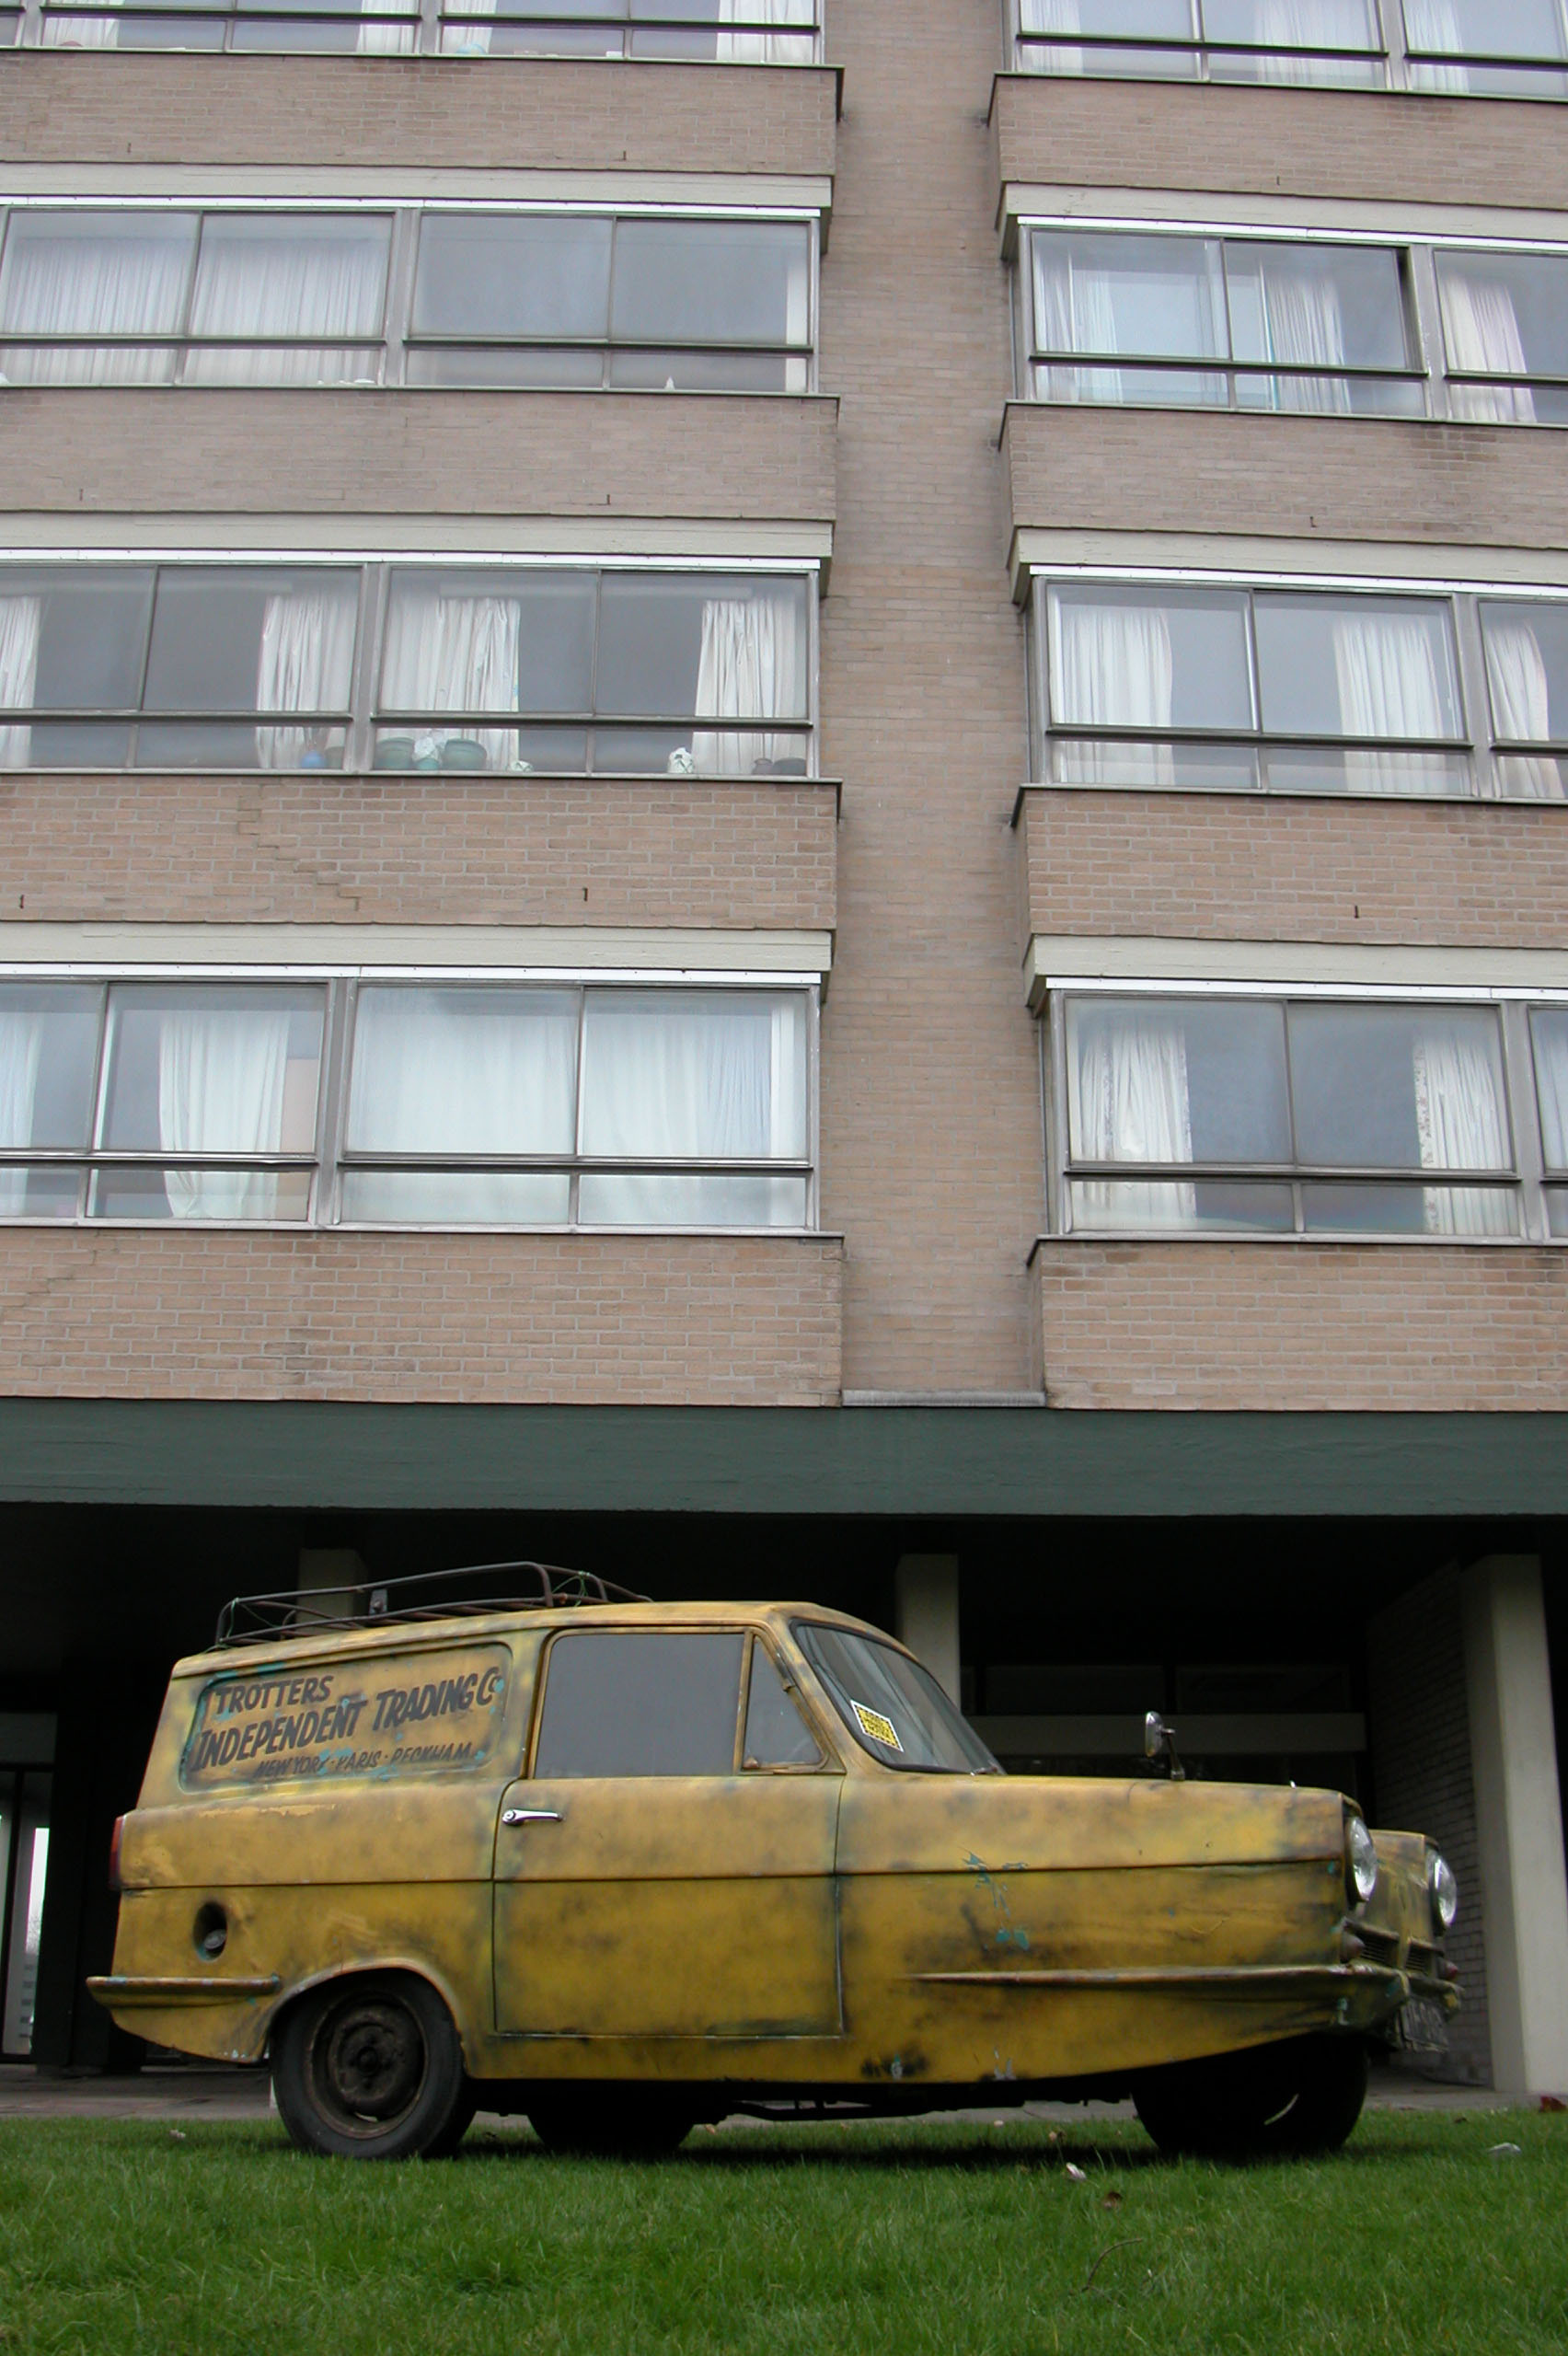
{"points": [[371, 2069]]}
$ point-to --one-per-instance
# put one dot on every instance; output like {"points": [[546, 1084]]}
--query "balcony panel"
{"points": [[172, 451], [126, 107], [1328, 479], [1072, 132], [632, 1319], [1294, 1327], [1233, 867]]}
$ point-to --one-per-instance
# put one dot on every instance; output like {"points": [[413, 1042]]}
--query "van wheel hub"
{"points": [[371, 2060]]}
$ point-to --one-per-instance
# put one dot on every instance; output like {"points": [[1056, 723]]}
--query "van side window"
{"points": [[776, 1735], [640, 1702]]}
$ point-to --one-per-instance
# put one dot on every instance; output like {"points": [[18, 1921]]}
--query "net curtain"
{"points": [[1521, 707], [1115, 669], [82, 280], [308, 649], [454, 653], [1128, 1101], [751, 666], [1386, 674], [19, 622], [1461, 1125], [221, 1074], [21, 1040], [1481, 330]]}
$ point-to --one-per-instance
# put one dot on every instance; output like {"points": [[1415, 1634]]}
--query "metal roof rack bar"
{"points": [[293, 1612]]}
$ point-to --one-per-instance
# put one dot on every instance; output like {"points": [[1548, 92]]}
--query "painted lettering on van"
{"points": [[264, 1729]]}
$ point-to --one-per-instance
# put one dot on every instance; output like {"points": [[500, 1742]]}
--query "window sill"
{"points": [[1100, 1236], [1252, 795]]}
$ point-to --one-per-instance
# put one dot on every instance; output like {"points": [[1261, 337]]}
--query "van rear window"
{"points": [[394, 1715]]}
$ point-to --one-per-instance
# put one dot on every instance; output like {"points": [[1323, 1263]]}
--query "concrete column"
{"points": [[926, 1610], [1520, 1823], [334, 1578]]}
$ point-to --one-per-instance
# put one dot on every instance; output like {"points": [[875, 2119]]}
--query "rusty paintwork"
{"points": [[851, 1927]]}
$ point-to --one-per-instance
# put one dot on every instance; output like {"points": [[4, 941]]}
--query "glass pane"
{"points": [[1149, 658], [1122, 1206], [1175, 1081], [293, 275], [1409, 1210], [456, 1197], [1529, 28], [31, 1838], [149, 1192], [1117, 292], [1399, 1087], [1548, 1036], [620, 1199], [463, 1070], [454, 642], [1505, 315], [76, 273], [1114, 21], [227, 1068], [1310, 308], [692, 371], [1076, 760], [640, 1702], [71, 639], [262, 639], [519, 364], [1527, 679], [497, 274], [1557, 1209], [709, 645], [892, 1706], [776, 1735], [694, 1074], [710, 282], [47, 1064], [1294, 769], [1344, 27], [1357, 666]]}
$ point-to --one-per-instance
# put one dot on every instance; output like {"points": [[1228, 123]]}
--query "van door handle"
{"points": [[530, 1816]]}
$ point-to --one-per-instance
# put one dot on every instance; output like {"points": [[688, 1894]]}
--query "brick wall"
{"points": [[483, 113], [1419, 1728], [318, 849], [1302, 1326], [1369, 480], [1281, 142], [639, 1321], [179, 449], [1240, 867]]}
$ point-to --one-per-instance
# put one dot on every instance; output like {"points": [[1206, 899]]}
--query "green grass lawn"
{"points": [[879, 2240]]}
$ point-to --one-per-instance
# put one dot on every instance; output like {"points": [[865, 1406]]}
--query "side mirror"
{"points": [[1159, 1745]]}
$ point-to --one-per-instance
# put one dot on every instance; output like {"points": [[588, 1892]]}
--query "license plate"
{"points": [[1420, 2027]]}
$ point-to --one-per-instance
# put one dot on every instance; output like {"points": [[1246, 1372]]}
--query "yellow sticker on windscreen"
{"points": [[881, 1730], [385, 1716]]}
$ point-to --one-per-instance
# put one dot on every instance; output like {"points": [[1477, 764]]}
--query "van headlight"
{"points": [[1444, 1884], [1360, 1861]]}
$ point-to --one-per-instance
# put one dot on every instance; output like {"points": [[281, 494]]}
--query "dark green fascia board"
{"points": [[899, 1460]]}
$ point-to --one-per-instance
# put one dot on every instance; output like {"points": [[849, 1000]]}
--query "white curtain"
{"points": [[1521, 705], [384, 38], [1309, 24], [1481, 328], [21, 1040], [1048, 17], [462, 1071], [1304, 328], [85, 280], [1075, 311], [752, 665], [757, 47], [1114, 668], [221, 1075], [96, 31], [454, 654], [1128, 1101], [1549, 1038], [465, 38], [20, 620], [1435, 25], [1387, 676], [1461, 1125], [307, 650], [672, 1074], [306, 285]]}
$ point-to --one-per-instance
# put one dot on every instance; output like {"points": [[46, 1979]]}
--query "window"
{"points": [[138, 295], [511, 668], [1452, 46], [1298, 1115], [1302, 690], [1230, 322], [1549, 1029], [467, 1105], [775, 1733], [1505, 335], [895, 1709], [640, 1702], [731, 32]]}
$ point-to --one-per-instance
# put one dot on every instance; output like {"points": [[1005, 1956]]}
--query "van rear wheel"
{"points": [[371, 2069]]}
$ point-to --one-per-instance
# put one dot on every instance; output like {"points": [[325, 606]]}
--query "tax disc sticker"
{"points": [[881, 1730]]}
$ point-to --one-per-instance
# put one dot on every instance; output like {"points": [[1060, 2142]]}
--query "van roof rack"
{"points": [[294, 1614]]}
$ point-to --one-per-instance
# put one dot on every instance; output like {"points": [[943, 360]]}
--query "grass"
{"points": [[907, 2240]]}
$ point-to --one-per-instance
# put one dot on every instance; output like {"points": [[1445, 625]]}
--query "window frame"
{"points": [[1395, 63], [1527, 1181], [1478, 743], [364, 722], [752, 1639], [427, 22], [328, 1155], [397, 337]]}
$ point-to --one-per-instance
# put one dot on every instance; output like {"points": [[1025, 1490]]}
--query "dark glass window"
{"points": [[640, 1702], [776, 1735], [895, 1709]]}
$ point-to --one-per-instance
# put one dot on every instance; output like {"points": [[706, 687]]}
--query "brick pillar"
{"points": [[927, 1591]]}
